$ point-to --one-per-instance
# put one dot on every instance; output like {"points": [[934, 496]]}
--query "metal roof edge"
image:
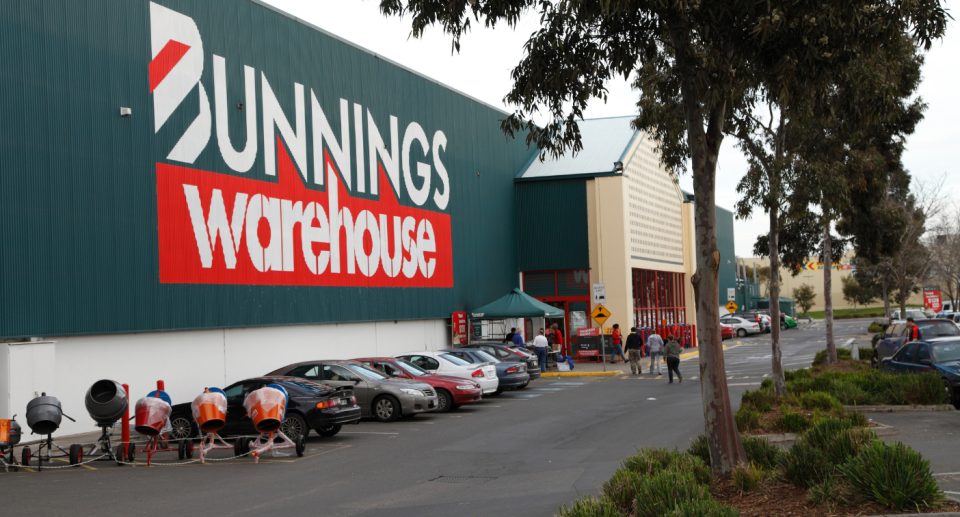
{"points": [[633, 139], [374, 54], [585, 175]]}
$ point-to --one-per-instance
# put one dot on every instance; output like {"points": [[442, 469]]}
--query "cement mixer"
{"points": [[153, 421], [44, 415], [106, 403], [9, 436], [209, 411], [267, 408]]}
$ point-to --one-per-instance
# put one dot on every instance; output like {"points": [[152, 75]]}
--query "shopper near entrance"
{"points": [[654, 347], [540, 345], [672, 352], [913, 331], [518, 339], [557, 338], [634, 343], [509, 337], [617, 345]]}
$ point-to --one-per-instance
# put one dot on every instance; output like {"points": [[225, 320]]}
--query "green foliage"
{"points": [[621, 488], [805, 297], [869, 386], [827, 493], [702, 508], [748, 477], [766, 384], [666, 490], [894, 475], [824, 431], [819, 400], [762, 399], [700, 448], [804, 465], [795, 375], [821, 357], [747, 419], [865, 352], [855, 293], [875, 328], [588, 506], [857, 418], [651, 460], [847, 444], [791, 422], [761, 452]]}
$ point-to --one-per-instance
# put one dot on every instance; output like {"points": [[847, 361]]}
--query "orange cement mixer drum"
{"points": [[152, 415], [210, 411], [266, 407], [4, 432]]}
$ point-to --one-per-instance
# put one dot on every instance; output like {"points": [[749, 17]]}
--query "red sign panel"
{"points": [[223, 229], [588, 332], [460, 328], [931, 300]]}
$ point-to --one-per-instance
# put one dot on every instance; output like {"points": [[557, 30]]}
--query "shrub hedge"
{"points": [[894, 475]]}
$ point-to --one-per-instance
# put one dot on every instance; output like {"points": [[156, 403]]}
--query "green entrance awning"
{"points": [[516, 305]]}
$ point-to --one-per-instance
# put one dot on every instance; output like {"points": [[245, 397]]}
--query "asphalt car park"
{"points": [[522, 453]]}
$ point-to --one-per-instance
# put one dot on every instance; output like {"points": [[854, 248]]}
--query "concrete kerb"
{"points": [[900, 409], [683, 356]]}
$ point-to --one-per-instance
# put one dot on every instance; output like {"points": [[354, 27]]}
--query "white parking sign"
{"points": [[599, 293]]}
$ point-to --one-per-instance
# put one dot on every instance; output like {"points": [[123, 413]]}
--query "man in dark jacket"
{"points": [[634, 345], [672, 351]]}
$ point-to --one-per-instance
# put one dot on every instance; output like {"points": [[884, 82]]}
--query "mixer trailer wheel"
{"points": [[76, 454], [25, 456], [188, 449], [180, 449], [301, 445]]}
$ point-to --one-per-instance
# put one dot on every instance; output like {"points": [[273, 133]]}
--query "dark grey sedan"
{"points": [[510, 375], [509, 355]]}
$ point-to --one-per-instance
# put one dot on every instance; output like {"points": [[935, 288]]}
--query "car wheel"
{"points": [[386, 409], [76, 454], [951, 394], [444, 401], [181, 428], [330, 430], [741, 332], [294, 425], [875, 361], [783, 326]]}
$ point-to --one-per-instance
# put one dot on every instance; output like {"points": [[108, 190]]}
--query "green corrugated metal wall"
{"points": [[726, 246], [78, 183], [552, 229]]}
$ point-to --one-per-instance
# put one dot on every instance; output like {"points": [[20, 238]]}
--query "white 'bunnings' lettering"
{"points": [[282, 215], [239, 161], [273, 115]]}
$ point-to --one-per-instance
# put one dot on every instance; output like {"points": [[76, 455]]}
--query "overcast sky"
{"points": [[482, 70]]}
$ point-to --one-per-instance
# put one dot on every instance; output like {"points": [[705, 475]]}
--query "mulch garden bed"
{"points": [[775, 499]]}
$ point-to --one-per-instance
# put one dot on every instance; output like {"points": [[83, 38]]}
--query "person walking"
{"points": [[617, 345], [913, 331], [557, 339], [509, 337], [654, 345], [540, 348], [672, 351], [634, 343]]}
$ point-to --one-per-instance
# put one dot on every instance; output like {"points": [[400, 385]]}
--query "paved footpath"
{"points": [[520, 454]]}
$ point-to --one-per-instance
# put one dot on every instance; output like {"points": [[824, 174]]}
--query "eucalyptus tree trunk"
{"points": [[827, 291], [726, 451], [886, 297], [776, 356]]}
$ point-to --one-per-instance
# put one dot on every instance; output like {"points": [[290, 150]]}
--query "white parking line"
{"points": [[363, 432]]}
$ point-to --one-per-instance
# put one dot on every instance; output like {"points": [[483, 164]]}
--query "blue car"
{"points": [[895, 336], [941, 357], [509, 375]]}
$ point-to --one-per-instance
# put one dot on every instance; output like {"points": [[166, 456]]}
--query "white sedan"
{"points": [[443, 363], [741, 326]]}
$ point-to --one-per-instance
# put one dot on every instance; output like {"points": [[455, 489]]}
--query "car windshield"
{"points": [[938, 329], [454, 359], [947, 352], [486, 357], [310, 387], [366, 372], [411, 368]]}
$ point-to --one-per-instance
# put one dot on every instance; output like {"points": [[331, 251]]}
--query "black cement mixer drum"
{"points": [[106, 401], [15, 431], [44, 414]]}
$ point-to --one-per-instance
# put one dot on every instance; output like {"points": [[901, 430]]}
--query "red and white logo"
{"points": [[216, 228]]}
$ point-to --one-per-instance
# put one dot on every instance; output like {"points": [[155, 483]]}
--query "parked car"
{"points": [[452, 392], [510, 354], [378, 396], [444, 363], [895, 336], [762, 320], [726, 331], [954, 316], [789, 322], [941, 357], [316, 406], [510, 375], [741, 325], [911, 313]]}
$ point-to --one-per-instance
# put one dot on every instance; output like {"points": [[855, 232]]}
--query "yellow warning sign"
{"points": [[732, 307], [600, 314]]}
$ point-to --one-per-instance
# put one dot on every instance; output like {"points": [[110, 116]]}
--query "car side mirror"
{"points": [[925, 362]]}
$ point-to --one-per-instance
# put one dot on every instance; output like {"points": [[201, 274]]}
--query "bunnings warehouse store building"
{"points": [[201, 192]]}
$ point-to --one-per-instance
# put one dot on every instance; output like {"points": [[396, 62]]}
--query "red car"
{"points": [[452, 392], [726, 332]]}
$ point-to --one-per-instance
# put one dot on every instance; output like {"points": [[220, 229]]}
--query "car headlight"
{"points": [[466, 387], [415, 393]]}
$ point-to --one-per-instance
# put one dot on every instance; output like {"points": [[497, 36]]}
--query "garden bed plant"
{"points": [[834, 468]]}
